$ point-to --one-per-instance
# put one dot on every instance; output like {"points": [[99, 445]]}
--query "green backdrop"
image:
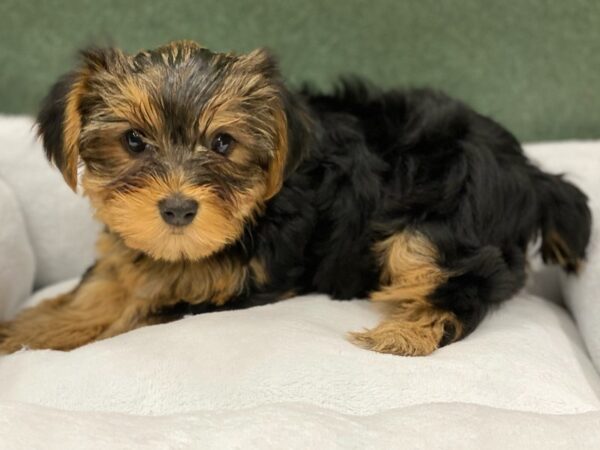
{"points": [[534, 65]]}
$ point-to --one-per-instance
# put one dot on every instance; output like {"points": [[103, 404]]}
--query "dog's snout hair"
{"points": [[176, 119]]}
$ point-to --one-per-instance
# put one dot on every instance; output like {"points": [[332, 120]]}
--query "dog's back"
{"points": [[445, 162], [452, 204]]}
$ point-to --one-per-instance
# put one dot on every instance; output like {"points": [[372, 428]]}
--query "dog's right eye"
{"points": [[133, 141]]}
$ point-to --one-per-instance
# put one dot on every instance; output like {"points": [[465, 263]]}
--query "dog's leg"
{"points": [[23, 330], [409, 274], [411, 328], [98, 308], [120, 293], [427, 305]]}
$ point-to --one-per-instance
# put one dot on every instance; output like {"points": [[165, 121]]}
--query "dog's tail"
{"points": [[566, 222]]}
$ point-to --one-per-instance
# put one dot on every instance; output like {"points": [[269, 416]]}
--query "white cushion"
{"points": [[285, 371], [17, 262], [59, 223]]}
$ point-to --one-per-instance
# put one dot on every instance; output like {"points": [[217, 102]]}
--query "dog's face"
{"points": [[180, 146]]}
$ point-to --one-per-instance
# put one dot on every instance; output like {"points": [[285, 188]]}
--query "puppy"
{"points": [[220, 188]]}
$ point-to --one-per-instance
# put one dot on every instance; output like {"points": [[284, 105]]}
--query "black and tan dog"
{"points": [[220, 188]]}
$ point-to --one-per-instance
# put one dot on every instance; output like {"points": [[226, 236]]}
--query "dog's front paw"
{"points": [[50, 325], [22, 335], [402, 341], [7, 342]]}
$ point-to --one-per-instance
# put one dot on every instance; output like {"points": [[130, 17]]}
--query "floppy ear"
{"points": [[276, 169], [294, 136], [59, 125], [59, 120], [293, 124]]}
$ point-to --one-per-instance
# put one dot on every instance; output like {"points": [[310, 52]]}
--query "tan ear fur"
{"points": [[276, 170]]}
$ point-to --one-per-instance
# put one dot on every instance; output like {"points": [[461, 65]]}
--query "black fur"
{"points": [[51, 119], [382, 162]]}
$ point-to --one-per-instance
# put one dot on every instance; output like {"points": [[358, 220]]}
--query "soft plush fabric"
{"points": [[527, 356], [532, 64], [296, 426], [16, 255], [59, 223], [284, 375]]}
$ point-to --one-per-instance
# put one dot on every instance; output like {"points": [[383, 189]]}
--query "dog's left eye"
{"points": [[222, 143], [134, 142]]}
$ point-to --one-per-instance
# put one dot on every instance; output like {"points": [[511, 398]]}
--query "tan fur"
{"points": [[136, 104], [559, 251], [136, 218], [277, 165], [411, 328], [182, 49], [259, 272], [72, 130], [61, 323], [122, 293], [408, 267], [226, 113], [145, 265], [409, 273]]}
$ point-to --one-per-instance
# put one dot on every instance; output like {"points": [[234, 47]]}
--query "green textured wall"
{"points": [[534, 65]]}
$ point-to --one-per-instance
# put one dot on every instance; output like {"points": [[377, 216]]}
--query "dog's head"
{"points": [[180, 146]]}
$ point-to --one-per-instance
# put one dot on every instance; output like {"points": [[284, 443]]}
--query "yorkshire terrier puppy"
{"points": [[220, 188]]}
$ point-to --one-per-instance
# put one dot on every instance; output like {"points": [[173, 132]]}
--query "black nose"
{"points": [[178, 210]]}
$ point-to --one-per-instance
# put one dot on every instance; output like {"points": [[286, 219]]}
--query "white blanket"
{"points": [[58, 224], [283, 375], [297, 426], [526, 356], [17, 260]]}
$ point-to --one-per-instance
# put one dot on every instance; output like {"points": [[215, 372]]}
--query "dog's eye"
{"points": [[222, 143], [133, 141]]}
